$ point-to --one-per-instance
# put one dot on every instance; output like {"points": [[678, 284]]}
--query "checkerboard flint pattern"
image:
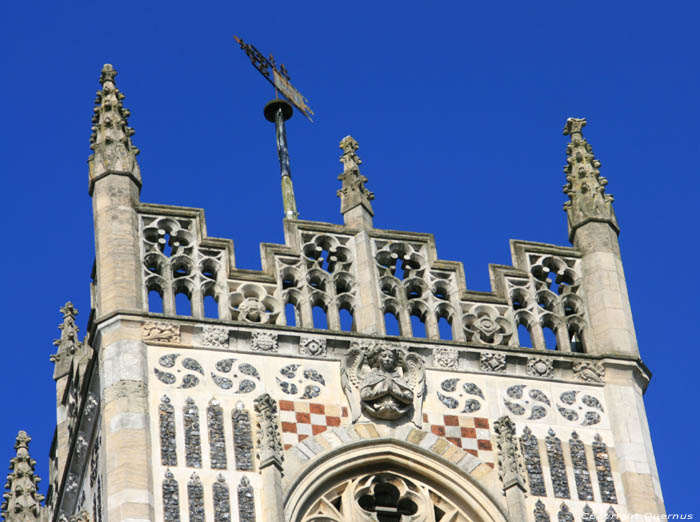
{"points": [[472, 434], [307, 419]]}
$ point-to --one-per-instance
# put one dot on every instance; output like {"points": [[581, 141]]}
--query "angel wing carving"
{"points": [[415, 378], [351, 379]]}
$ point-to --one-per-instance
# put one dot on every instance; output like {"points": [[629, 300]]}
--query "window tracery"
{"points": [[384, 497]]}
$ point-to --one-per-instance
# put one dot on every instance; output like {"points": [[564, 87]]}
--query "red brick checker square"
{"points": [[472, 434], [307, 419]]}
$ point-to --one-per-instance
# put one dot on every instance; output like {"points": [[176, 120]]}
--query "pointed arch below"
{"points": [[469, 484]]}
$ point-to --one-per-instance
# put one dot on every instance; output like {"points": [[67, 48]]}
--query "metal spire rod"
{"points": [[279, 111]]}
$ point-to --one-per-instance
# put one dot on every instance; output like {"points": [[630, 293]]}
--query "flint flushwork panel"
{"points": [[588, 515], [557, 467], [540, 512], [193, 443], [246, 501], [580, 463], [242, 438], [222, 500], [195, 498], [217, 444], [602, 466], [533, 465], [168, 453], [171, 499], [564, 514]]}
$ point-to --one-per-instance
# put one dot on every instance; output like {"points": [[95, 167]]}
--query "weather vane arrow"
{"points": [[277, 76]]}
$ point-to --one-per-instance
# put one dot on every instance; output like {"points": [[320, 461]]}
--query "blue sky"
{"points": [[458, 108]]}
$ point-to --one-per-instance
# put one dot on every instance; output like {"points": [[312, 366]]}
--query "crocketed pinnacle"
{"points": [[352, 192], [68, 344], [22, 501], [113, 151], [588, 201]]}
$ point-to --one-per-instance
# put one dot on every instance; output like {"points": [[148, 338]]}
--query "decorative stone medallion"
{"points": [[263, 342], [161, 332], [312, 346], [215, 337], [493, 362], [445, 357], [540, 367]]}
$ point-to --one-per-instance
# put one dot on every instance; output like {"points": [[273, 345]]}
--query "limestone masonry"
{"points": [[354, 378]]}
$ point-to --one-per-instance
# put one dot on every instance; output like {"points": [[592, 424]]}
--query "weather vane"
{"points": [[279, 111]]}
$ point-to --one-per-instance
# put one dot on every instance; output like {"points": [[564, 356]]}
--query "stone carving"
{"points": [[575, 405], [493, 362], [540, 367], [484, 325], [193, 443], [215, 337], [22, 501], [166, 412], [195, 497], [161, 332], [110, 140], [533, 464], [470, 392], [263, 341], [384, 382], [246, 501], [69, 346], [540, 512], [171, 498], [242, 438], [582, 476], [222, 500], [95, 459], [510, 463], [312, 346], [269, 441], [585, 186], [557, 467], [352, 192], [217, 443], [97, 501], [446, 358], [564, 514], [590, 371], [535, 402], [294, 384], [251, 303], [603, 470]]}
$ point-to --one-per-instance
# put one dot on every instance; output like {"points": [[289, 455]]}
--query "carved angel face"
{"points": [[387, 360]]}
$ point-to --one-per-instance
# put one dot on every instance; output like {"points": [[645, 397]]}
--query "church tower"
{"points": [[353, 378]]}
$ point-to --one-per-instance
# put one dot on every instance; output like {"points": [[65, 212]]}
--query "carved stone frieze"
{"points": [[312, 346], [590, 371], [540, 367], [384, 382], [161, 332], [215, 336], [263, 341], [446, 358], [493, 362]]}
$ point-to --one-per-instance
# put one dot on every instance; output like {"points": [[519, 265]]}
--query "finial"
{"points": [[68, 344], [113, 151], [22, 500], [353, 192], [588, 201]]}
